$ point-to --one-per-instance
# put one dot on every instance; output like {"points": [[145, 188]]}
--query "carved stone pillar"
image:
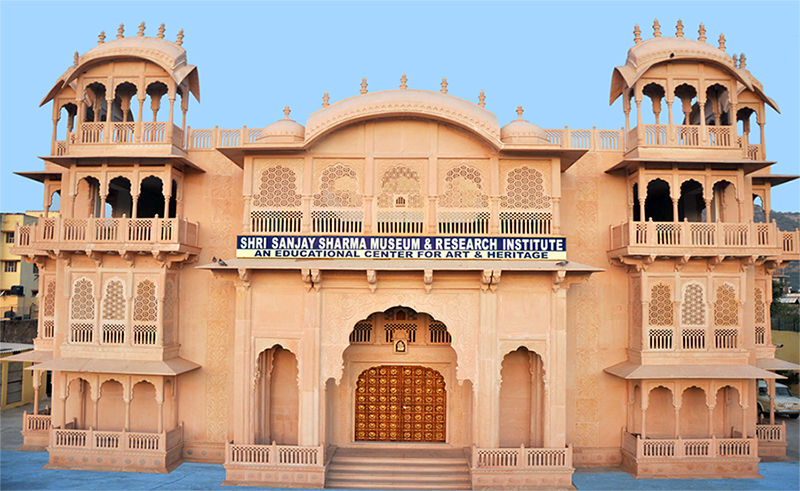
{"points": [[243, 360]]}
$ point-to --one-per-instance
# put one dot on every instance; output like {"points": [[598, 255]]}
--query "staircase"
{"points": [[407, 468]]}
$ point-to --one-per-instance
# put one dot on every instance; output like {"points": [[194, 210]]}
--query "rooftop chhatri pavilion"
{"points": [[401, 292]]}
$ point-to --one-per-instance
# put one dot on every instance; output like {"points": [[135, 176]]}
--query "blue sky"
{"points": [[553, 58]]}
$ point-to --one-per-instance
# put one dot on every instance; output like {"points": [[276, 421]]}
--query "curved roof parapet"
{"points": [[166, 54], [646, 54], [405, 102]]}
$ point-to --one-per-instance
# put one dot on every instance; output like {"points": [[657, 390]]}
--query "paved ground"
{"points": [[23, 471]]}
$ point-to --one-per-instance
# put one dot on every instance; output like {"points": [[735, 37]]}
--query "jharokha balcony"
{"points": [[155, 235], [93, 138], [703, 239]]}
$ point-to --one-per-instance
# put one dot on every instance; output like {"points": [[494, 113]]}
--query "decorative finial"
{"points": [[722, 42], [141, 30], [363, 85], [742, 61], [101, 38], [325, 99], [735, 60], [287, 111], [120, 31], [679, 29], [444, 85], [482, 100], [161, 31], [637, 34], [180, 38], [519, 113], [75, 59], [656, 29], [702, 32], [403, 81]]}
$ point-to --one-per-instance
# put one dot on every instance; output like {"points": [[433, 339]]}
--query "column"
{"points": [[675, 209], [310, 404], [771, 390], [53, 146], [639, 129], [710, 421], [644, 418], [703, 129], [107, 138], [487, 388], [243, 361], [557, 360], [677, 431], [139, 123], [642, 218], [671, 128], [763, 152], [37, 382], [708, 211]]}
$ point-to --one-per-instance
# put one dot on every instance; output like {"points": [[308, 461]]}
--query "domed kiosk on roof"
{"points": [[521, 131], [283, 131]]}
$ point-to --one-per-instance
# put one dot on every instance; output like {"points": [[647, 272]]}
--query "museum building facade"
{"points": [[401, 291]]}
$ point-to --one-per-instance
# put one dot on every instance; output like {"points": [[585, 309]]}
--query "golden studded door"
{"points": [[401, 404]]}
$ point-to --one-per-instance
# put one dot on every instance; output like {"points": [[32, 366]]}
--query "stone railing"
{"points": [[36, 422], [111, 231], [691, 447], [525, 458], [144, 132], [705, 235], [771, 433], [668, 338], [593, 139], [663, 135], [116, 440], [274, 455]]}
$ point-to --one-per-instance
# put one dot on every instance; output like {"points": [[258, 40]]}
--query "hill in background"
{"points": [[787, 221]]}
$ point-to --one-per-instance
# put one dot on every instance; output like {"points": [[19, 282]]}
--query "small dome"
{"points": [[283, 131], [523, 132]]}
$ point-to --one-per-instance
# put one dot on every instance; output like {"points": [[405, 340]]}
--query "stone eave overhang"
{"points": [[122, 160], [749, 166]]}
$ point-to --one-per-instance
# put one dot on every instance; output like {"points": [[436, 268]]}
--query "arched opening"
{"points": [[637, 411], [79, 406], [759, 214], [660, 416], [55, 201], [277, 397], [95, 99], [522, 399], [144, 408], [151, 198], [121, 109], [170, 413], [658, 204], [744, 125], [156, 91], [687, 94], [111, 407], [724, 204], [637, 210], [692, 205], [119, 200], [727, 413], [656, 93], [693, 414], [717, 105], [66, 128], [87, 200]]}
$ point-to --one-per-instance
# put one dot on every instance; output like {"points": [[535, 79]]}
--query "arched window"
{"points": [[113, 318], [278, 188], [339, 188], [660, 309], [145, 314], [691, 205], [400, 183], [726, 306], [658, 204], [525, 188], [82, 311], [463, 189]]}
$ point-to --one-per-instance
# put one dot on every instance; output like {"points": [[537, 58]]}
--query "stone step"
{"points": [[356, 475], [396, 485]]}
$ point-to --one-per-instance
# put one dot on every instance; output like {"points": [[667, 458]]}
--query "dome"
{"points": [[523, 132], [283, 131]]}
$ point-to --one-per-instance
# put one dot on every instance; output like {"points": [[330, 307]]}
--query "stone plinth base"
{"points": [[522, 479], [36, 441], [596, 457], [205, 452], [274, 476], [691, 468], [114, 460], [772, 451]]}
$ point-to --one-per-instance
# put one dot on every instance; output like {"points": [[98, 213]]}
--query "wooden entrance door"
{"points": [[401, 404]]}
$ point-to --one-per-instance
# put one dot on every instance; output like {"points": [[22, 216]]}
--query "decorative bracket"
{"points": [[63, 255], [747, 262], [244, 275], [311, 277], [127, 256], [714, 261], [160, 256], [372, 280], [495, 279], [681, 262], [427, 280], [486, 279], [39, 261], [95, 256], [558, 279]]}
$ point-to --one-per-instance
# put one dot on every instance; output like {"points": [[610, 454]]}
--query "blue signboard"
{"points": [[368, 247]]}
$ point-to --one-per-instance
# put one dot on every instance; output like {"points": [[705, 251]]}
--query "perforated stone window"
{"points": [[362, 332], [726, 306], [438, 333], [278, 188], [82, 302], [169, 300], [400, 182], [760, 306], [114, 301], [693, 308], [463, 188], [660, 313], [145, 306], [338, 188], [49, 301], [525, 188]]}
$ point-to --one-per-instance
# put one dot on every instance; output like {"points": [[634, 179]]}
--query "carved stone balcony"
{"points": [[703, 239], [274, 465], [690, 458], [121, 235], [140, 138], [115, 450], [690, 141]]}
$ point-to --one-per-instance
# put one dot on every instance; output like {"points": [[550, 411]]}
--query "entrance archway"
{"points": [[401, 403]]}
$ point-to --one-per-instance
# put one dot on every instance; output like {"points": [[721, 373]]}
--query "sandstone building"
{"points": [[402, 276]]}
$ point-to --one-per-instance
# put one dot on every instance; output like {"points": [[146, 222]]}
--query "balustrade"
{"points": [[274, 455], [771, 433], [528, 458], [661, 339], [696, 447], [117, 440], [36, 422]]}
